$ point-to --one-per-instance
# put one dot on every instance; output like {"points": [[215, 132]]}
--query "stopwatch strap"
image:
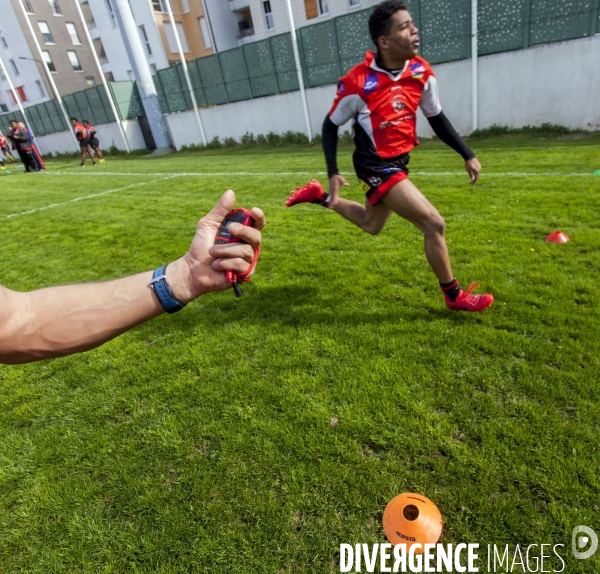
{"points": [[244, 276]]}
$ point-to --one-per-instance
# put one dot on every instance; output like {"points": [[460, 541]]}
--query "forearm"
{"points": [[329, 137], [445, 131], [59, 321]]}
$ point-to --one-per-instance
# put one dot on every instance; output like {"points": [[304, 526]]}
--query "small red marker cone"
{"points": [[557, 237], [410, 519]]}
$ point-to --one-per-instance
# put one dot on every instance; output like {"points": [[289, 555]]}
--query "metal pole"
{"points": [[299, 69], [474, 57], [141, 69], [185, 70], [104, 82], [49, 75]]}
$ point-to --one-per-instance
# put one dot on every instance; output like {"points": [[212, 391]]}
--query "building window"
{"points": [[99, 47], [269, 15], [55, 7], [74, 60], [205, 32], [323, 8], [185, 5], [21, 93], [14, 67], [2, 76], [40, 88], [144, 38], [27, 6], [48, 60], [73, 33], [159, 5], [4, 42], [154, 69], [354, 3], [47, 35], [171, 37], [91, 82]]}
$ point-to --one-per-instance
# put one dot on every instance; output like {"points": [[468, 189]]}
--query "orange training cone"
{"points": [[557, 237], [411, 518]]}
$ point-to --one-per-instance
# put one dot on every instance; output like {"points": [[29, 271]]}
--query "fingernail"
{"points": [[233, 227]]}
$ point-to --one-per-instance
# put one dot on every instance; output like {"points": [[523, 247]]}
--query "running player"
{"points": [[84, 141], [94, 143], [382, 95]]}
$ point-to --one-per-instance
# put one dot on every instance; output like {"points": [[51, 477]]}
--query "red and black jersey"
{"points": [[3, 140], [80, 132], [91, 131], [384, 106]]}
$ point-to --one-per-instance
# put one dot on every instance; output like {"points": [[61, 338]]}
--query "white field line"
{"points": [[85, 197], [313, 173]]}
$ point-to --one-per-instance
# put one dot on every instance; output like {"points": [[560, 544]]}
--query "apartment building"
{"points": [[61, 45], [21, 68], [237, 22], [155, 31]]}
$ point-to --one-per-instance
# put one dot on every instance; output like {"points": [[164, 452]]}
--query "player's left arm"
{"points": [[443, 129]]}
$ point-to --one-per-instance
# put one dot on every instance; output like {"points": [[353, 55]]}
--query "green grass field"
{"points": [[201, 442]]}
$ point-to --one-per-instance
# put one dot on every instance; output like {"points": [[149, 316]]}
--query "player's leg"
{"points": [[409, 203], [89, 152], [369, 218], [98, 151]]}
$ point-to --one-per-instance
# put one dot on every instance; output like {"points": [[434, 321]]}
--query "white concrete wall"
{"points": [[554, 83], [108, 134]]}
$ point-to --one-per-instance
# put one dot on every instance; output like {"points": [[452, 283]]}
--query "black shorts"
{"points": [[378, 175], [94, 143], [83, 143]]}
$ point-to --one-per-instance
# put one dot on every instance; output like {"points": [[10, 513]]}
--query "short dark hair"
{"points": [[84, 122], [73, 119], [380, 22], [13, 120]]}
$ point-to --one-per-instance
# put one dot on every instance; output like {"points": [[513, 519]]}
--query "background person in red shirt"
{"points": [[382, 95], [83, 137], [94, 142]]}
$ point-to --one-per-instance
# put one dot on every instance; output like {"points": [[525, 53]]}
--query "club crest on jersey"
{"points": [[397, 104], [371, 82], [340, 87], [417, 70]]}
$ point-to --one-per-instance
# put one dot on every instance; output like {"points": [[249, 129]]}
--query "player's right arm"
{"points": [[347, 104]]}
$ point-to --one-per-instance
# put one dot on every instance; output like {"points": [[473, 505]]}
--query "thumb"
{"points": [[217, 214]]}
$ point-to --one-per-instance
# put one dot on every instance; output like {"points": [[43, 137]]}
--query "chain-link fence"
{"points": [[330, 48], [91, 105]]}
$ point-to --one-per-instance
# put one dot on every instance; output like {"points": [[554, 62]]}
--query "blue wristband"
{"points": [[163, 291]]}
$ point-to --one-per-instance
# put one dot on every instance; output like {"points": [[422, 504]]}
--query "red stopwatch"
{"points": [[242, 216]]}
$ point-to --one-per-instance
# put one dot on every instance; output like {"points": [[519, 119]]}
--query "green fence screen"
{"points": [[91, 104]]}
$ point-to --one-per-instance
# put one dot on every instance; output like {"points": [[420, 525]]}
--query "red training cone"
{"points": [[557, 237]]}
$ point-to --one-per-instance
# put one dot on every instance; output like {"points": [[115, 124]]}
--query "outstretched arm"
{"points": [[329, 139], [59, 321], [445, 131]]}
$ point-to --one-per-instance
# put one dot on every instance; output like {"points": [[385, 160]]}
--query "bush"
{"points": [[261, 139], [346, 137], [229, 142], [290, 137], [273, 139], [214, 143], [545, 130], [247, 140]]}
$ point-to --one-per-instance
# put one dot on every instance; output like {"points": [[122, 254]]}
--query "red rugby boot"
{"points": [[466, 301], [312, 192]]}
